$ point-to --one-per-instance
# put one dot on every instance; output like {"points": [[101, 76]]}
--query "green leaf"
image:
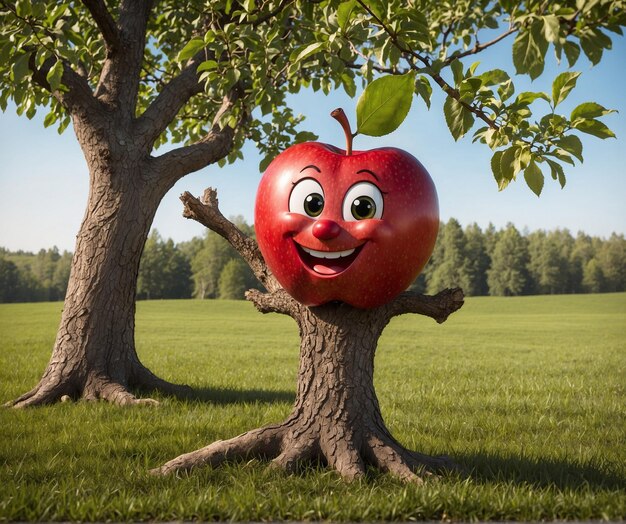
{"points": [[572, 52], [551, 28], [573, 145], [457, 71], [23, 8], [54, 75], [50, 119], [563, 156], [344, 13], [529, 49], [384, 104], [534, 177], [496, 170], [509, 164], [493, 77], [557, 172], [267, 160], [593, 127], [468, 89], [562, 86], [378, 7], [305, 136], [193, 46], [528, 97], [20, 69], [207, 65], [424, 89], [589, 110], [591, 49], [459, 119], [349, 85], [303, 52], [506, 90]]}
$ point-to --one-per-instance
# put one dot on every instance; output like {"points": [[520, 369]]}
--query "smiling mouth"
{"points": [[327, 263]]}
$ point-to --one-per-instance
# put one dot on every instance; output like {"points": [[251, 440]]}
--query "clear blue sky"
{"points": [[43, 176]]}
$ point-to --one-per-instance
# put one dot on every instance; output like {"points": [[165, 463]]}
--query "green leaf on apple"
{"points": [[384, 104]]}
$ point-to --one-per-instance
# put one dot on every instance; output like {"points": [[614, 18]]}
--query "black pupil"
{"points": [[313, 204], [363, 207]]}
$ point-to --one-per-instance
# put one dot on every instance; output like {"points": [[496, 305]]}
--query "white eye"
{"points": [[307, 198], [363, 200]]}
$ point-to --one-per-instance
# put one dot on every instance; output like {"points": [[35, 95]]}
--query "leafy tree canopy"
{"points": [[252, 53]]}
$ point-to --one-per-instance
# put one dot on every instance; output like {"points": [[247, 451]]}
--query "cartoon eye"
{"points": [[307, 198], [363, 200]]}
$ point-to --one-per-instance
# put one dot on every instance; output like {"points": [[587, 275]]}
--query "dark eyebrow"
{"points": [[313, 167], [367, 171]]}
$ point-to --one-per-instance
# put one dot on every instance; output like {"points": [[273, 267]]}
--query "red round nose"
{"points": [[326, 229]]}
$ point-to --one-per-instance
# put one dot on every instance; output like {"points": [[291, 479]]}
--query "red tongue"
{"points": [[327, 270]]}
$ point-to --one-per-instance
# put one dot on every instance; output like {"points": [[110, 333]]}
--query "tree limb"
{"points": [[76, 96], [105, 23], [170, 100], [277, 302], [120, 77], [177, 163], [438, 307], [207, 213], [181, 161], [480, 47]]}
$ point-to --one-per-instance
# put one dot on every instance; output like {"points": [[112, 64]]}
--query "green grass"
{"points": [[527, 393]]}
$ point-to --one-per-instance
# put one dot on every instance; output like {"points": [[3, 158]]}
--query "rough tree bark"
{"points": [[94, 354], [336, 417]]}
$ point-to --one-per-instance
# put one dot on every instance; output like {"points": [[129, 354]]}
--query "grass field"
{"points": [[529, 394]]}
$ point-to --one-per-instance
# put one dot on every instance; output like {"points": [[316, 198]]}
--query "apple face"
{"points": [[352, 228]]}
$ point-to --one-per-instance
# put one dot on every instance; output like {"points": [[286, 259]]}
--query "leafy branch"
{"points": [[519, 144]]}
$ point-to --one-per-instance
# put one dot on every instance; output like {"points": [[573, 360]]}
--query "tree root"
{"points": [[348, 456], [57, 387]]}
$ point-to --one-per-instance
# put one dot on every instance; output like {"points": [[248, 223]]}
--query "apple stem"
{"points": [[339, 115]]}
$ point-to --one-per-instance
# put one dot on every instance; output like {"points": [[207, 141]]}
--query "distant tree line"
{"points": [[506, 262], [503, 262], [29, 277]]}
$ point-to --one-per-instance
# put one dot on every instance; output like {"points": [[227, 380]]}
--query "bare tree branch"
{"points": [[207, 213], [277, 302], [438, 307], [105, 23], [480, 47]]}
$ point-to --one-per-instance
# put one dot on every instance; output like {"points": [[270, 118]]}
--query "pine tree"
{"points": [[508, 275]]}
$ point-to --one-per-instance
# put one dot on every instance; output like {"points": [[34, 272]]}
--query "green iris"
{"points": [[363, 207]]}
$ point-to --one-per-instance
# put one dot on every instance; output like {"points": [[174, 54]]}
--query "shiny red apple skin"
{"points": [[390, 250]]}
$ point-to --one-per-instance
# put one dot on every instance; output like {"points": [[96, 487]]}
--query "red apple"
{"points": [[356, 228]]}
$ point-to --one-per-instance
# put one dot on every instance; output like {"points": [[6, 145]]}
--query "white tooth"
{"points": [[328, 254]]}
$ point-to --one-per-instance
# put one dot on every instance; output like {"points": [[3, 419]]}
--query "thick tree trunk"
{"points": [[336, 417], [94, 354]]}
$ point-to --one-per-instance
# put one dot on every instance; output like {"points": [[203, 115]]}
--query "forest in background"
{"points": [[504, 262]]}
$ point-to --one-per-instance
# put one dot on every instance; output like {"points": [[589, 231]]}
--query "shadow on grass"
{"points": [[237, 396], [540, 472]]}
